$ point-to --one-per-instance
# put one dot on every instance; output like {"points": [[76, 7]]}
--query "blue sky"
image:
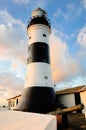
{"points": [[67, 43]]}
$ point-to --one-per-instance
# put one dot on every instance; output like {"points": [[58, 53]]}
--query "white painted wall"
{"points": [[83, 100], [12, 102], [38, 74], [68, 100], [36, 33], [16, 120]]}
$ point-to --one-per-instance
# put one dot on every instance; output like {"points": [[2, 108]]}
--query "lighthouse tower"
{"points": [[38, 95]]}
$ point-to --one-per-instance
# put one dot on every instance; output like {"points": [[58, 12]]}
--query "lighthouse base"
{"points": [[37, 99]]}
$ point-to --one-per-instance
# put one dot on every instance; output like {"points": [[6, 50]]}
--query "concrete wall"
{"points": [[16, 120], [67, 100], [13, 102], [83, 100]]}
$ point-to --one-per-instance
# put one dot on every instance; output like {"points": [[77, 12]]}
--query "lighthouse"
{"points": [[38, 95]]}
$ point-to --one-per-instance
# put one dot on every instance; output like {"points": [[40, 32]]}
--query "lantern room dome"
{"points": [[39, 13], [39, 16]]}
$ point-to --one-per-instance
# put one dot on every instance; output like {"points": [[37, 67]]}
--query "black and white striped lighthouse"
{"points": [[38, 95]]}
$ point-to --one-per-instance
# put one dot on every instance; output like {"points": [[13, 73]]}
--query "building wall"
{"points": [[67, 100], [83, 100], [13, 102]]}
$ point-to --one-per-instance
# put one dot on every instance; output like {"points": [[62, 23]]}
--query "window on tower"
{"points": [[30, 37], [44, 35], [45, 77]]}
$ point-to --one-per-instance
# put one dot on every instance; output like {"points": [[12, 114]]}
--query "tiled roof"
{"points": [[72, 90], [14, 97]]}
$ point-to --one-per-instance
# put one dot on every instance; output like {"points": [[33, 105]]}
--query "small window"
{"points": [[30, 37], [44, 35], [46, 77], [16, 101]]}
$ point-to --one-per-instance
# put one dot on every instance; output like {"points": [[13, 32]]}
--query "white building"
{"points": [[67, 97], [72, 96], [13, 101]]}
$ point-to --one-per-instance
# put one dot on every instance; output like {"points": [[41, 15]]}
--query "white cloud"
{"points": [[63, 65], [82, 37], [13, 45], [60, 34], [7, 19], [41, 4], [81, 54], [13, 52], [22, 1], [12, 37], [71, 12], [10, 85], [83, 3], [60, 13], [76, 81]]}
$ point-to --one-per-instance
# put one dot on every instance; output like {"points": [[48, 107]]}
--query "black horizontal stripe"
{"points": [[38, 52], [39, 20], [37, 99]]}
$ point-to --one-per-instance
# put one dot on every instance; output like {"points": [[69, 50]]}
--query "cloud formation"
{"points": [[22, 1], [13, 37], [81, 39], [70, 13], [84, 3], [13, 48], [13, 54], [10, 86], [64, 66]]}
